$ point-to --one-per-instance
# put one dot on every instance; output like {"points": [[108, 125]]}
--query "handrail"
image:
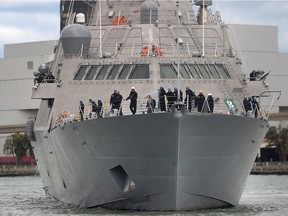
{"points": [[265, 113], [106, 111], [163, 17], [166, 50]]}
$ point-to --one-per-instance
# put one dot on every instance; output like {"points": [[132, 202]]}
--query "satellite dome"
{"points": [[73, 37], [80, 18]]}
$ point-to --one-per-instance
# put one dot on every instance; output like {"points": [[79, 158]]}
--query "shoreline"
{"points": [[13, 171], [269, 168], [259, 168]]}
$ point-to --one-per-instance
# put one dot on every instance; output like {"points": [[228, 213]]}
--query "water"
{"points": [[263, 196]]}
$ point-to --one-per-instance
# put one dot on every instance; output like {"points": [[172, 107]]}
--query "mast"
{"points": [[100, 30], [178, 58], [203, 29]]}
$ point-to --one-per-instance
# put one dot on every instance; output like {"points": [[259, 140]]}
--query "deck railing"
{"points": [[71, 115]]}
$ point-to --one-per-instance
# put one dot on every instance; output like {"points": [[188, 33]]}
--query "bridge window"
{"points": [[223, 71], [102, 73], [113, 72], [124, 72], [80, 73], [214, 72], [184, 71], [91, 73], [204, 71], [140, 72], [167, 71], [194, 71]]}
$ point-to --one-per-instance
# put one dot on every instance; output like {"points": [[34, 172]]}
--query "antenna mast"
{"points": [[100, 30], [178, 58]]}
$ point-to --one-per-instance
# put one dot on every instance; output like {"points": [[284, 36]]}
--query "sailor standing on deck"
{"points": [[99, 110], [255, 106], [81, 109], [133, 100], [190, 96], [118, 101], [113, 100], [170, 99], [200, 101], [162, 102], [247, 105], [210, 101], [176, 94]]}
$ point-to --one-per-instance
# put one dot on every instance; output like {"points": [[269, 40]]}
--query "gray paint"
{"points": [[75, 163], [198, 161], [75, 39], [181, 161]]}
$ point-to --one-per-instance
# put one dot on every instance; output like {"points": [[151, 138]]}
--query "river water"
{"points": [[263, 195]]}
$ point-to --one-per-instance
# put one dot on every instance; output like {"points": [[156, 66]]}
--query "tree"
{"points": [[272, 136], [282, 145], [279, 139], [19, 145]]}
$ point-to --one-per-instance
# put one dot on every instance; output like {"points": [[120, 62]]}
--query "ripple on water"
{"points": [[21, 196]]}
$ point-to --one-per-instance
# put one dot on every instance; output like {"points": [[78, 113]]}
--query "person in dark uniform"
{"points": [[247, 105], [190, 95], [50, 78], [133, 100], [176, 95], [210, 101], [200, 101], [94, 107], [162, 102], [170, 98], [99, 108], [118, 101], [81, 109], [255, 106], [113, 100]]}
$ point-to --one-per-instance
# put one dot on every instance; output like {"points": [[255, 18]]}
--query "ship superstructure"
{"points": [[177, 160]]}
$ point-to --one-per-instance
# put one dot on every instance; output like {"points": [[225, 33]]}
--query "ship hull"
{"points": [[159, 161]]}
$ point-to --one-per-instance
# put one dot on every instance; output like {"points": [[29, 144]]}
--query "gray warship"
{"points": [[162, 161]]}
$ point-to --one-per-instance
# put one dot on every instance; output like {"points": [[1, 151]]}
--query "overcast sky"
{"points": [[37, 20]]}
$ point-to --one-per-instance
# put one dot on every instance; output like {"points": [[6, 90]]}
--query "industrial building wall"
{"points": [[259, 51], [16, 82]]}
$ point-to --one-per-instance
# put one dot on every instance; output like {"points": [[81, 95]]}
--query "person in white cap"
{"points": [[133, 100]]}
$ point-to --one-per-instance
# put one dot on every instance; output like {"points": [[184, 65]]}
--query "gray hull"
{"points": [[158, 161]]}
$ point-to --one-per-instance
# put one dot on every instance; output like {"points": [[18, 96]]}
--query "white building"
{"points": [[16, 82], [257, 46]]}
